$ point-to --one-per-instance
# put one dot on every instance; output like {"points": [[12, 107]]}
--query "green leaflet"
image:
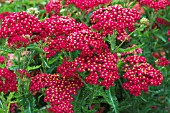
{"points": [[34, 47], [5, 49], [121, 50], [33, 67]]}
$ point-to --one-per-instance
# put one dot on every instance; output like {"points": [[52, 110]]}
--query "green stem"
{"points": [[112, 101]]}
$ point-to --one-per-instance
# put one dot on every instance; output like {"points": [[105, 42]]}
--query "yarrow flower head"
{"points": [[102, 68], [13, 106], [140, 76], [106, 20], [158, 54], [87, 4], [57, 29], [95, 58], [162, 21], [162, 62], [59, 90], [54, 5], [8, 81], [130, 61], [2, 15], [17, 26], [94, 53], [157, 5], [61, 25]]}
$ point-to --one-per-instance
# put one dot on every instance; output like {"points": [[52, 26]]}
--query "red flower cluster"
{"points": [[140, 75], [54, 5], [102, 68], [95, 58], [130, 61], [162, 21], [58, 92], [87, 4], [157, 5], [2, 59], [60, 27], [168, 35], [13, 106], [158, 54], [8, 80], [162, 62], [106, 20], [20, 27], [2, 15], [88, 42]]}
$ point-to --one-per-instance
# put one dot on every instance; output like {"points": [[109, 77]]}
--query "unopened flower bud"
{"points": [[33, 11], [145, 21]]}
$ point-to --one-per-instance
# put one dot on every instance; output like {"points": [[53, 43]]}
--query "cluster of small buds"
{"points": [[102, 68], [162, 62], [12, 108], [145, 22], [87, 4], [33, 11], [59, 90], [156, 5], [106, 20], [18, 25], [2, 59], [8, 81], [130, 61], [54, 5], [140, 77]]}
